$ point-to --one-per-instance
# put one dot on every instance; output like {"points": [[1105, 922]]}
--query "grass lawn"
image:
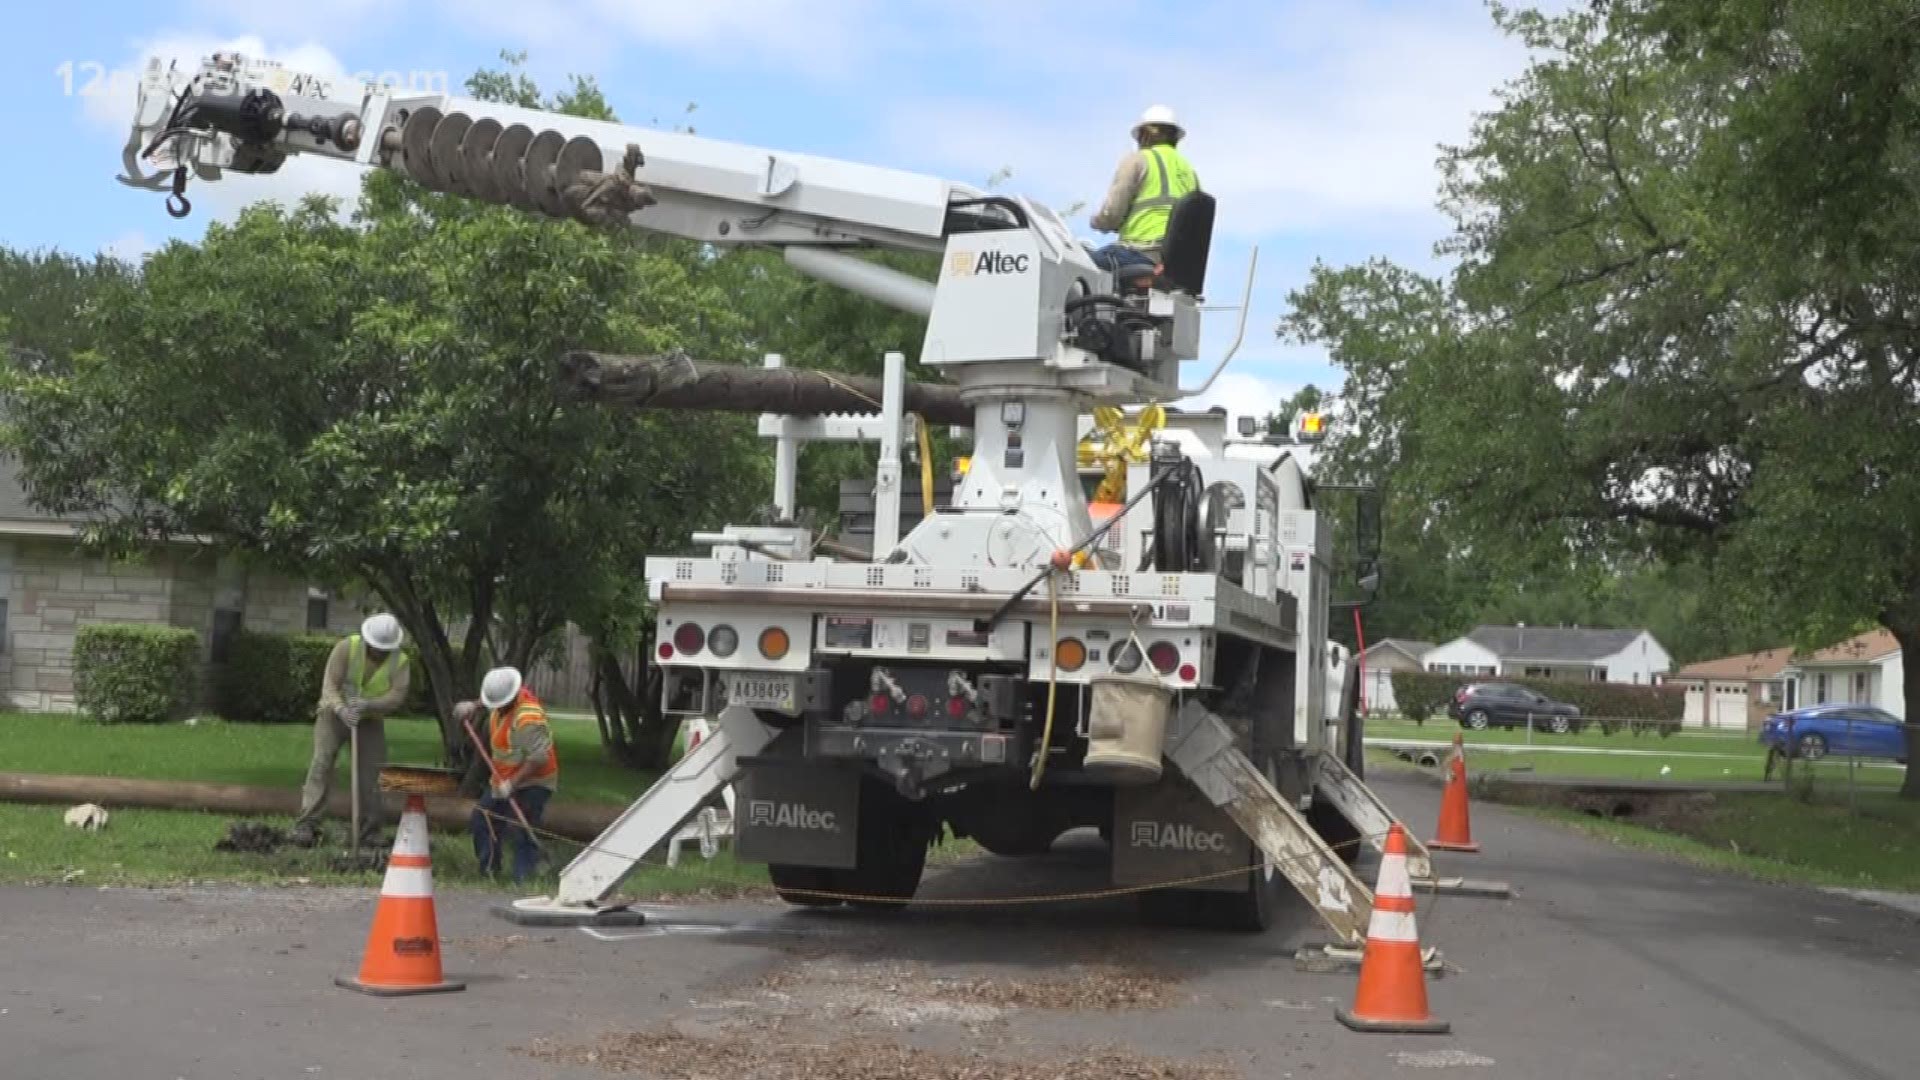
{"points": [[1443, 730], [157, 847], [1777, 837], [269, 755], [1773, 836]]}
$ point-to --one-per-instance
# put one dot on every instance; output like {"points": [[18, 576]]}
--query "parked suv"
{"points": [[1483, 705]]}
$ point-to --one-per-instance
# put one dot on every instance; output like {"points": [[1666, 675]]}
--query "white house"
{"points": [[1379, 662], [1862, 670], [1553, 652]]}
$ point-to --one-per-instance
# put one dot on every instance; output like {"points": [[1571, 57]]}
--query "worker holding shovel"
{"points": [[525, 767], [365, 682]]}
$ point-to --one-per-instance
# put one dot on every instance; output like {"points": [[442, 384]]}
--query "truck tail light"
{"points": [[774, 643], [689, 638], [723, 640], [917, 706], [879, 704], [1163, 656], [1070, 654], [1125, 657]]}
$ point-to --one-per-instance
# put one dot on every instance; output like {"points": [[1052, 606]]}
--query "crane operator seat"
{"points": [[1183, 251]]}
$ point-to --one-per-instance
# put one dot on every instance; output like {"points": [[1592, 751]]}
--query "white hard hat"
{"points": [[381, 632], [499, 686], [1159, 114]]}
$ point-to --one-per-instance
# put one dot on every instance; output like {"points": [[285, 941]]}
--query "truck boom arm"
{"points": [[248, 115]]}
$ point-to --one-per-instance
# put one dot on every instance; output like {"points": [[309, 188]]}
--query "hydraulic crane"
{"points": [[1007, 667]]}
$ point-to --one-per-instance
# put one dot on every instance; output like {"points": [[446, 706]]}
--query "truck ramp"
{"points": [[1200, 746], [653, 819], [1363, 809]]}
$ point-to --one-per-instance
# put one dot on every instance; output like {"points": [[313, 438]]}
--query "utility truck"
{"points": [[1110, 588]]}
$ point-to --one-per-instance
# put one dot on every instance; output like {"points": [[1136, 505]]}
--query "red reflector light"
{"points": [[917, 705], [1187, 673], [1163, 656], [879, 704], [956, 707], [666, 651], [689, 638]]}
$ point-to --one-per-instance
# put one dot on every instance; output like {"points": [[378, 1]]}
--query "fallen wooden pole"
{"points": [[571, 820], [677, 381]]}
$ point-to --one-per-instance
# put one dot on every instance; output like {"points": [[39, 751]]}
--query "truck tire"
{"points": [[1336, 830], [891, 849], [796, 884]]}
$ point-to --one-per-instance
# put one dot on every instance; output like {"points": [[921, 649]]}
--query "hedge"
{"points": [[272, 678], [1420, 694], [133, 672]]}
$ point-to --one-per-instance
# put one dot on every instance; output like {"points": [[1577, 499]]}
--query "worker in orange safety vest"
{"points": [[526, 772]]}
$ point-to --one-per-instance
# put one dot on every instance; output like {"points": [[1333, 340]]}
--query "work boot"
{"points": [[303, 836]]}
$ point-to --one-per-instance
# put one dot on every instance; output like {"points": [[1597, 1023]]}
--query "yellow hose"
{"points": [[926, 464], [1053, 679]]}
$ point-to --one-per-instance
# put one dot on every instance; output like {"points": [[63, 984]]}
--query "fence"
{"points": [[563, 677]]}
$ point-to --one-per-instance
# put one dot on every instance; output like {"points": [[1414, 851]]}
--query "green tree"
{"points": [[372, 401], [1680, 327]]}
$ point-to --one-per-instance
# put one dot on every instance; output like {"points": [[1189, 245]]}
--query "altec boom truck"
{"points": [[1015, 664]]}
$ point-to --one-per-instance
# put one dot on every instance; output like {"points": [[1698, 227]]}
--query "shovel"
{"points": [[480, 747]]}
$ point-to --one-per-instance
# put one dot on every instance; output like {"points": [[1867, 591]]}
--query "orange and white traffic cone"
{"points": [[1456, 831], [1392, 996], [403, 948]]}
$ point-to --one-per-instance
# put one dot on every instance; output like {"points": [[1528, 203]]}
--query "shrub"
{"points": [[272, 678], [131, 672], [1611, 705]]}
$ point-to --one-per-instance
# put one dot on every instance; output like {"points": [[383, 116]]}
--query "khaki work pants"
{"points": [[329, 735]]}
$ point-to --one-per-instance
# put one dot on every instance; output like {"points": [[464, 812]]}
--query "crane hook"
{"points": [[177, 204]]}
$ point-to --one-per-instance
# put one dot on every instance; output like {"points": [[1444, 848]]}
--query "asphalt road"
{"points": [[1605, 964]]}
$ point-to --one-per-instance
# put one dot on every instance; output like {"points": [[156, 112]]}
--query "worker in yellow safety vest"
{"points": [[364, 683], [1149, 181], [525, 768]]}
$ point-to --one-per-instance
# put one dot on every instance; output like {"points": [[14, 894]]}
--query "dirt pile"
{"points": [[778, 1054], [252, 838]]}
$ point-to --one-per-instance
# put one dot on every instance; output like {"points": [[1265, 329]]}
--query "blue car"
{"points": [[1847, 730]]}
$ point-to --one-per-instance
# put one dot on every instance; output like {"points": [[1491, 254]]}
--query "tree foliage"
{"points": [[1682, 324], [370, 400]]}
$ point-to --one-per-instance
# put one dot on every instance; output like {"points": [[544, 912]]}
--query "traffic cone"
{"points": [[403, 948], [1392, 996], [1456, 831]]}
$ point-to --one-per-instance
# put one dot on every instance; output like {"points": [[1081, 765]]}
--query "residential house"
{"points": [[49, 589], [1862, 670], [1585, 654], [1736, 693], [1379, 662]]}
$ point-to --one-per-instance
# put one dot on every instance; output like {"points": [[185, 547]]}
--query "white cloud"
{"points": [[1242, 393], [131, 246], [1299, 120], [340, 18], [113, 110]]}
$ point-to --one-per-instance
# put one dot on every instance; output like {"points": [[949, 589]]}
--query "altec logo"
{"points": [[1166, 835], [766, 812], [968, 264]]}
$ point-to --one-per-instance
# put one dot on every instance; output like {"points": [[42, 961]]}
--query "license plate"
{"points": [[761, 691]]}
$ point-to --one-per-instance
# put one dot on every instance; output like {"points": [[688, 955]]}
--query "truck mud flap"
{"points": [[797, 813]]}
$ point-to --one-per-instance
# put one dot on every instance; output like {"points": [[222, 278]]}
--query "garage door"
{"points": [[1696, 714], [1730, 706]]}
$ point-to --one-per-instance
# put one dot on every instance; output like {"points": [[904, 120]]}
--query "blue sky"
{"points": [[1314, 122]]}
